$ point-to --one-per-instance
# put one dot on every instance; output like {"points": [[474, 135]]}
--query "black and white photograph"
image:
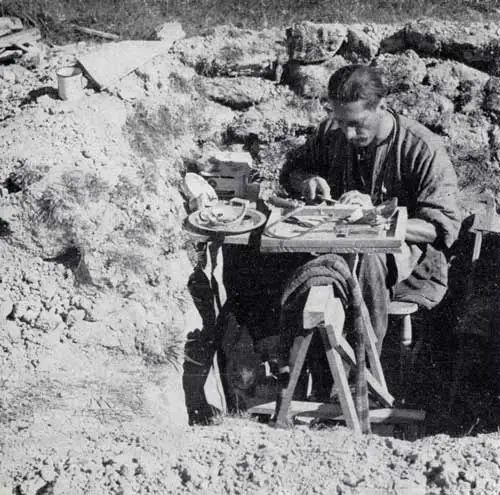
{"points": [[249, 248]]}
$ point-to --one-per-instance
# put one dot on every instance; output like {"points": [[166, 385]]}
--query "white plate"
{"points": [[252, 220]]}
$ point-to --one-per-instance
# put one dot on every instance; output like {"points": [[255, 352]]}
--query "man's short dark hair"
{"points": [[356, 82]]}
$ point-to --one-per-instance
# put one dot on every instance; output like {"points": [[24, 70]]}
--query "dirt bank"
{"points": [[94, 306]]}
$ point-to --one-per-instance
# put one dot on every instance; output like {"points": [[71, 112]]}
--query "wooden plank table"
{"points": [[332, 236]]}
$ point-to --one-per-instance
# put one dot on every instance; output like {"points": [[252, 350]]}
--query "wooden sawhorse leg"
{"points": [[325, 312], [297, 358]]}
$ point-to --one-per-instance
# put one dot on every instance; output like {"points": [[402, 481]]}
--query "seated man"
{"points": [[363, 154]]}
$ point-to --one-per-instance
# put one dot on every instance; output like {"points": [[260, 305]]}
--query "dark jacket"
{"points": [[411, 165]]}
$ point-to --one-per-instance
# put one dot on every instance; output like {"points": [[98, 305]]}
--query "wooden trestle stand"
{"points": [[324, 313]]}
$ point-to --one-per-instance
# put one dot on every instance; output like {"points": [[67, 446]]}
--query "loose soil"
{"points": [[89, 404]]}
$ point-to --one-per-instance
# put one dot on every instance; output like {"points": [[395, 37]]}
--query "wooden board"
{"points": [[10, 25], [333, 411], [30, 36], [333, 235], [115, 60]]}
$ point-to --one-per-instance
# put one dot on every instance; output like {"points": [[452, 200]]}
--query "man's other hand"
{"points": [[315, 187], [356, 198]]}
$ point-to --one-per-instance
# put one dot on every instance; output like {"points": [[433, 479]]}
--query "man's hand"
{"points": [[314, 187], [356, 198]]}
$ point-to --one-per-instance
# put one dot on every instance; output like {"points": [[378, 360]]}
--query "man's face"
{"points": [[359, 123]]}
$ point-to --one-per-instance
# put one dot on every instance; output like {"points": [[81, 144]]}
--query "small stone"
{"points": [[48, 320], [8, 75], [48, 473], [6, 307], [170, 31], [74, 316], [13, 330]]}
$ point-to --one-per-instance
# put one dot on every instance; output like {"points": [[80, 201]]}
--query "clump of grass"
{"points": [[125, 191], [127, 261], [84, 187], [27, 173], [53, 208], [151, 132], [162, 135], [58, 201], [171, 355]]}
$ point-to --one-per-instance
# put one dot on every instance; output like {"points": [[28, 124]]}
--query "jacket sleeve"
{"points": [[435, 186], [304, 162]]}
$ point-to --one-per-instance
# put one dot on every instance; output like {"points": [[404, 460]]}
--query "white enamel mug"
{"points": [[70, 83]]}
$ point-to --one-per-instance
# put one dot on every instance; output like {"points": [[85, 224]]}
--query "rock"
{"points": [[237, 93], [63, 484], [9, 25], [409, 487], [7, 74], [469, 142], [361, 45], [471, 95], [12, 330], [74, 316], [131, 93], [27, 310], [492, 96], [32, 485], [170, 31], [47, 103], [455, 80], [311, 43], [48, 320], [425, 106], [48, 473], [231, 51], [107, 305], [33, 57], [272, 157], [311, 81], [89, 333], [401, 72], [83, 303], [48, 288], [52, 340], [275, 119], [6, 307], [363, 41], [477, 45]]}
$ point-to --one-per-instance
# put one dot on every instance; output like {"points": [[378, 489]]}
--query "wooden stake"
{"points": [[95, 32]]}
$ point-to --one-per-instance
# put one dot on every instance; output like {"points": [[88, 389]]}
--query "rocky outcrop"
{"points": [[475, 44], [277, 119], [424, 105], [237, 93], [364, 40], [311, 81], [401, 71], [230, 51], [311, 43], [492, 97]]}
